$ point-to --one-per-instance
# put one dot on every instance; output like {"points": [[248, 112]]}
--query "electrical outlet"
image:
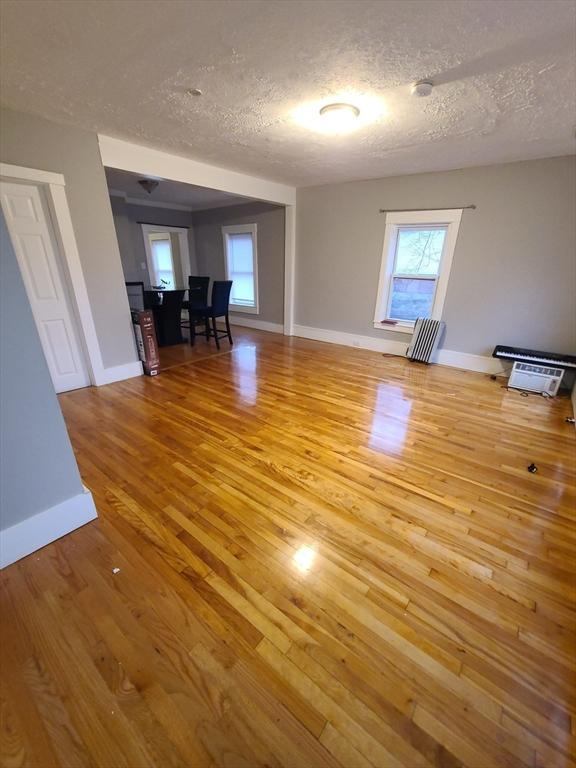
{"points": [[143, 265]]}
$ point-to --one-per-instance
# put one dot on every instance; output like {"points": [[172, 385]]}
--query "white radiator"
{"points": [[425, 339]]}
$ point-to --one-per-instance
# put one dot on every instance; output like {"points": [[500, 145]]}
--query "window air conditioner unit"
{"points": [[535, 378]]}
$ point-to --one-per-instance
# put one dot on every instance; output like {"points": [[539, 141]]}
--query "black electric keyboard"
{"points": [[532, 356]]}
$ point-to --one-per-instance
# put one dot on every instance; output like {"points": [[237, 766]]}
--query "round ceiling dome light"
{"points": [[340, 113], [339, 117], [422, 88]]}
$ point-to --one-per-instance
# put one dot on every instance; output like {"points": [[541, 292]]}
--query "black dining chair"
{"points": [[135, 291], [196, 305], [219, 308]]}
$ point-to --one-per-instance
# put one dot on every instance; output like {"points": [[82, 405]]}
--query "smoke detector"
{"points": [[422, 88]]}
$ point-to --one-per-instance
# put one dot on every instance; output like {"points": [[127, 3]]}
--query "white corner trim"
{"points": [[136, 158], [41, 529], [31, 174], [446, 357], [289, 267], [118, 373], [261, 325]]}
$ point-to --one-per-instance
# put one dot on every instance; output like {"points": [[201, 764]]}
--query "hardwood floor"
{"points": [[181, 354], [327, 557]]}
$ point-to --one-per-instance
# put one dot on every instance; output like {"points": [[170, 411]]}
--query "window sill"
{"points": [[398, 328], [240, 308]]}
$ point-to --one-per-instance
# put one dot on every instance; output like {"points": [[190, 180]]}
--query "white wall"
{"points": [[514, 271], [270, 221]]}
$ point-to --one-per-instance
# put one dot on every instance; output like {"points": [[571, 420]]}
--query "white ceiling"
{"points": [[504, 70], [169, 192]]}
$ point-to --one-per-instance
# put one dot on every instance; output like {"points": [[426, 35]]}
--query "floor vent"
{"points": [[425, 339]]}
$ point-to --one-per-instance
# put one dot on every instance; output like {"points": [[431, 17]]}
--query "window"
{"points": [[167, 255], [162, 260], [416, 261], [242, 266]]}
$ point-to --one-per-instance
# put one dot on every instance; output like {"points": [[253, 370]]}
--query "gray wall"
{"points": [[38, 468], [513, 277], [270, 220], [33, 142], [131, 241]]}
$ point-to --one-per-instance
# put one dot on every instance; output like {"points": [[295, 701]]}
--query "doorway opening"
{"points": [[179, 232]]}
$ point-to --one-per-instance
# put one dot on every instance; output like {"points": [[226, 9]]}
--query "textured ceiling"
{"points": [[193, 197], [504, 71]]}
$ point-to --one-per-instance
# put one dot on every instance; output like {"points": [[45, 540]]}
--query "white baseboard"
{"points": [[118, 373], [480, 363], [351, 340], [443, 357], [41, 529], [261, 325]]}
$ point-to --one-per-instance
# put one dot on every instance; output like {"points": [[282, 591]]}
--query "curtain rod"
{"points": [[443, 208]]}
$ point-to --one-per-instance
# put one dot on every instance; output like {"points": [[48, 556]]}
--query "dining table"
{"points": [[166, 306]]}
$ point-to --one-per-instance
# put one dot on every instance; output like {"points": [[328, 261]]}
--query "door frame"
{"points": [[135, 158], [52, 185]]}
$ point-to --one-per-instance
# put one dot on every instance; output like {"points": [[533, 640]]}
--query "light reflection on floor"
{"points": [[245, 373], [390, 419], [304, 558]]}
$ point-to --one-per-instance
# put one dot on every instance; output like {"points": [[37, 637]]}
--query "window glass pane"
{"points": [[418, 251], [240, 253], [411, 298], [242, 289], [162, 255]]}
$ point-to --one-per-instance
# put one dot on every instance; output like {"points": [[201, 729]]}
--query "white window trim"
{"points": [[243, 229], [158, 229], [449, 217]]}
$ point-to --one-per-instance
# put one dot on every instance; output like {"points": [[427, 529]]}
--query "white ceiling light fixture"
{"points": [[345, 112], [339, 117], [422, 88], [148, 184]]}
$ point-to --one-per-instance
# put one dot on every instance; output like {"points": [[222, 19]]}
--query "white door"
{"points": [[32, 235]]}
